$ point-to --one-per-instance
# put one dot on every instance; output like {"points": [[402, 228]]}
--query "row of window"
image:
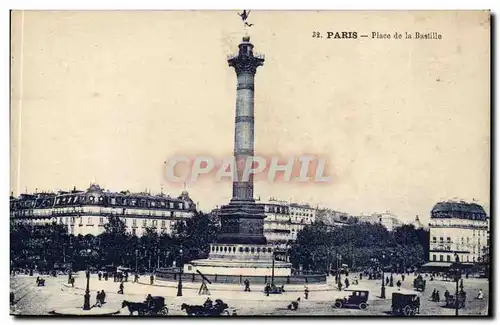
{"points": [[448, 240], [275, 209], [230, 249], [479, 232], [145, 222], [449, 258], [307, 214], [122, 201]]}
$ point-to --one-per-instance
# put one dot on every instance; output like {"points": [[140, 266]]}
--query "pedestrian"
{"points": [[446, 295], [267, 289], [356, 280], [72, 281], [403, 277], [438, 299], [106, 276], [136, 278], [121, 288], [398, 284], [386, 280], [391, 281], [360, 276], [151, 279], [98, 299], [433, 296], [103, 297], [346, 283], [208, 303], [339, 284], [99, 275], [306, 292], [247, 285]]}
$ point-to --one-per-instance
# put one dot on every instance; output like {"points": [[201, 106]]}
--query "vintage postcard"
{"points": [[250, 163]]}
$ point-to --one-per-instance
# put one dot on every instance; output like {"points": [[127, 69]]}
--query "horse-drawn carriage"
{"points": [[452, 301], [419, 283], [153, 306], [217, 309], [273, 289], [357, 299], [405, 304]]}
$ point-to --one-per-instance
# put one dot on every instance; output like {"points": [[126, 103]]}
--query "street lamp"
{"points": [[339, 261], [179, 286], [272, 271], [136, 253], [86, 297], [382, 288], [458, 275]]}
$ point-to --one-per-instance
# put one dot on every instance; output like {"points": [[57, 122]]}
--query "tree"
{"points": [[115, 227], [318, 246], [37, 244], [115, 240], [195, 235]]}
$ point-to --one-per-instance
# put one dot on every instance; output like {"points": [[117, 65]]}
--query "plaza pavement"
{"points": [[57, 294]]}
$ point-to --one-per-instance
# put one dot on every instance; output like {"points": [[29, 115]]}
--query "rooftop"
{"points": [[458, 209]]}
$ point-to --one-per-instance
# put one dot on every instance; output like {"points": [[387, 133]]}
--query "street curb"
{"points": [[174, 285]]}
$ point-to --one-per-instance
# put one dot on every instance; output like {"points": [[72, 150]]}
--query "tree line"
{"points": [[50, 246], [320, 247]]}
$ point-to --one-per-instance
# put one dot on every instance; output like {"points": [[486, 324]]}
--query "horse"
{"points": [[294, 305], [138, 307], [193, 309]]}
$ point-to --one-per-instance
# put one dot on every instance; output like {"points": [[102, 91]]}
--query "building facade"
{"points": [[458, 228], [387, 219], [86, 212], [335, 218], [284, 220]]}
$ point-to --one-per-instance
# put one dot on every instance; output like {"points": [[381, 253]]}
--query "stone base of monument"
{"points": [[234, 263], [78, 311]]}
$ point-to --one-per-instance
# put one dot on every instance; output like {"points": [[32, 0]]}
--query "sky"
{"points": [[108, 97]]}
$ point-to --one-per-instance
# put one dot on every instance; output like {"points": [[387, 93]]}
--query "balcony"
{"points": [[439, 225]]}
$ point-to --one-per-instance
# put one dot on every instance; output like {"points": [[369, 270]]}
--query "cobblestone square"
{"points": [[56, 294]]}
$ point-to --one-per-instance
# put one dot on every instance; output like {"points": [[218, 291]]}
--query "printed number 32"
{"points": [[316, 35]]}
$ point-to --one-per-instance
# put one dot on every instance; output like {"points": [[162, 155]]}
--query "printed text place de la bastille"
{"points": [[421, 35]]}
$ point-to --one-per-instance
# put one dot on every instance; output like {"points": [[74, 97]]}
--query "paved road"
{"points": [[34, 300]]}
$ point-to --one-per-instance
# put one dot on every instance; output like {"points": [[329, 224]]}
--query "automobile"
{"points": [[357, 299], [405, 303]]}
